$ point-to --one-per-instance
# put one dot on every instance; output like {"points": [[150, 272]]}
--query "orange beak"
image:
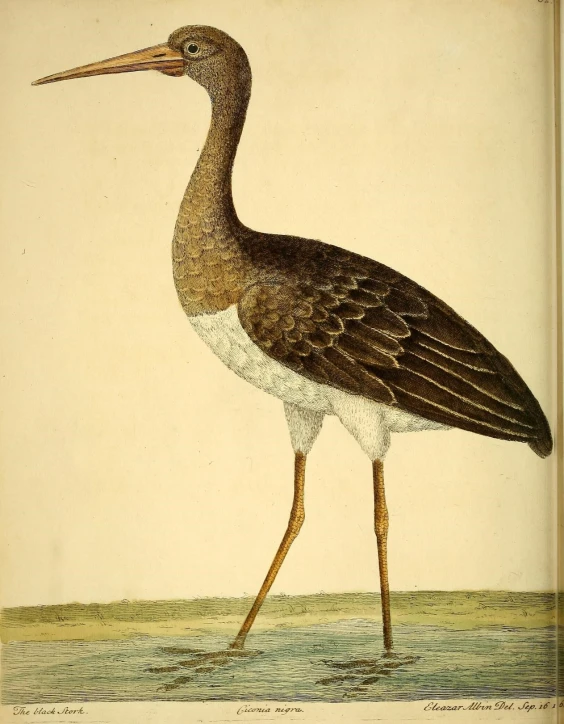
{"points": [[158, 57]]}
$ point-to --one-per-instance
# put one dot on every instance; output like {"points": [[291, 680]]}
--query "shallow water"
{"points": [[327, 662]]}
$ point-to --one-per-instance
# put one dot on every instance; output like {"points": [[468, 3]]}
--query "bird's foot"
{"points": [[197, 662], [356, 675]]}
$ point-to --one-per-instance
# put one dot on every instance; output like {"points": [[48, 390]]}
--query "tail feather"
{"points": [[542, 445]]}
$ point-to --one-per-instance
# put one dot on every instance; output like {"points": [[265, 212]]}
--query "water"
{"points": [[327, 662]]}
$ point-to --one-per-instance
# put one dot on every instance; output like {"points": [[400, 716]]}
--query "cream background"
{"points": [[133, 464]]}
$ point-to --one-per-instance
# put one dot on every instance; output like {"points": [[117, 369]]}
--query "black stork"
{"points": [[327, 331]]}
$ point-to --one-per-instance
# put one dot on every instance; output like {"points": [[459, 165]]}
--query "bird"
{"points": [[323, 329]]}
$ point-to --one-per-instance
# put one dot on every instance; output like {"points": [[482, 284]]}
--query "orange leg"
{"points": [[381, 529], [295, 523]]}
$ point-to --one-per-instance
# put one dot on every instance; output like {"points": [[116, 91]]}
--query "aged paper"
{"points": [[134, 465]]}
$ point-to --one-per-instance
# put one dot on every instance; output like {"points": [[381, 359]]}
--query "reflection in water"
{"points": [[326, 662], [201, 662], [361, 673], [354, 677]]}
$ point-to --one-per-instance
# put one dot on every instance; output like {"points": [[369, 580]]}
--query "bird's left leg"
{"points": [[304, 427]]}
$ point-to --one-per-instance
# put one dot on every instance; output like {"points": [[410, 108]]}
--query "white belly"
{"points": [[368, 421]]}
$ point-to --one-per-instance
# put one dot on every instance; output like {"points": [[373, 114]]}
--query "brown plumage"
{"points": [[352, 323], [331, 315], [310, 310]]}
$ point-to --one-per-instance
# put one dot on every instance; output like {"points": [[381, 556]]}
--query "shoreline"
{"points": [[128, 619]]}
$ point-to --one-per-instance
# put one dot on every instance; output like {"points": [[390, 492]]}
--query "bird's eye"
{"points": [[193, 48]]}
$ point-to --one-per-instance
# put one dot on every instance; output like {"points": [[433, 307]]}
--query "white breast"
{"points": [[223, 333]]}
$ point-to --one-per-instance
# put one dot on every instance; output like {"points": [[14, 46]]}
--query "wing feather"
{"points": [[430, 407], [354, 324], [441, 368], [365, 352], [468, 359], [456, 394]]}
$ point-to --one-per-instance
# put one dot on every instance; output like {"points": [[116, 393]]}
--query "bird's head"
{"points": [[209, 56]]}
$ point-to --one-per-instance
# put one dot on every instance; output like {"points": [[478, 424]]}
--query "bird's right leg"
{"points": [[381, 529], [304, 427], [363, 419]]}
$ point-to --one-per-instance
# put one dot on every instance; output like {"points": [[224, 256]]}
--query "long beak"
{"points": [[159, 57]]}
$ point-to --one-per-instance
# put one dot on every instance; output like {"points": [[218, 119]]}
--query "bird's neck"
{"points": [[210, 269], [210, 190]]}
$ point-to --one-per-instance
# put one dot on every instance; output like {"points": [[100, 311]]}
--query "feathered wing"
{"points": [[351, 323]]}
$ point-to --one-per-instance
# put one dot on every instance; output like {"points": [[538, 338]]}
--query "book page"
{"points": [[137, 470]]}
